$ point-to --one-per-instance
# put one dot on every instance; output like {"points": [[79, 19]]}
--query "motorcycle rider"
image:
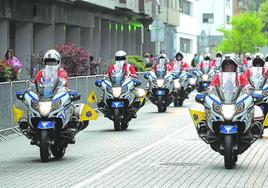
{"points": [[258, 61], [179, 63], [162, 60], [218, 60], [122, 64], [229, 64], [247, 61], [52, 59], [207, 58]]}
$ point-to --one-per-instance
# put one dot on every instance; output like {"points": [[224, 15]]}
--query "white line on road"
{"points": [[131, 156]]}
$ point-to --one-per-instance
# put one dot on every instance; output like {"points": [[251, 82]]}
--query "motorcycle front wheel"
{"points": [[44, 146], [117, 120], [160, 106], [229, 157]]}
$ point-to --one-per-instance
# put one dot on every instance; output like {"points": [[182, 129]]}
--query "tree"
{"points": [[245, 36], [263, 14]]}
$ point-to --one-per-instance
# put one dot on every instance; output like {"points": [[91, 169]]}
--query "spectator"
{"points": [[12, 61], [195, 61], [93, 65]]}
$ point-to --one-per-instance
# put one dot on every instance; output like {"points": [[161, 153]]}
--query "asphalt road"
{"points": [[158, 150]]}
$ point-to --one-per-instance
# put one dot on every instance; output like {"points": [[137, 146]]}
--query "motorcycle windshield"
{"points": [[228, 89], [46, 88], [257, 79], [160, 71], [117, 77], [205, 68], [177, 68]]}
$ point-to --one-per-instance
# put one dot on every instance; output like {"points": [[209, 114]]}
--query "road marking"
{"points": [[131, 156]]}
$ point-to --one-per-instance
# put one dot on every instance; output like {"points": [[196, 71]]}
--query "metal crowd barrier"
{"points": [[83, 84]]}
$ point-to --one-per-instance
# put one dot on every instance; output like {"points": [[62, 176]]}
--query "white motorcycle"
{"points": [[120, 99], [52, 118], [228, 123], [160, 88], [205, 76]]}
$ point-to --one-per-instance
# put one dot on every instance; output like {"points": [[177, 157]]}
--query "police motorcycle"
{"points": [[204, 75], [228, 123], [183, 85], [120, 99], [258, 81], [52, 119], [160, 87]]}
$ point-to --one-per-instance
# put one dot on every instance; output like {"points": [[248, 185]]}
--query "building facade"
{"points": [[212, 14], [101, 27]]}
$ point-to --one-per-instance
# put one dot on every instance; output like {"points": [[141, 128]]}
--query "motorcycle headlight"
{"points": [[205, 77], [191, 81], [228, 111], [116, 91], [240, 108], [35, 104], [217, 108], [45, 108], [109, 89], [56, 105], [160, 82], [265, 93], [177, 83]]}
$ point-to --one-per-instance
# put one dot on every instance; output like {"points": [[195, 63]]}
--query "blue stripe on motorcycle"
{"points": [[32, 97], [228, 129], [59, 97], [127, 83], [214, 100], [119, 104], [242, 100], [45, 125]]}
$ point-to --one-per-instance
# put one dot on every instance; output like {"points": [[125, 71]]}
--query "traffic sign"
{"points": [[157, 30]]}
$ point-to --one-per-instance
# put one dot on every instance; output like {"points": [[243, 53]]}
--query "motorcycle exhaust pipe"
{"points": [[256, 129]]}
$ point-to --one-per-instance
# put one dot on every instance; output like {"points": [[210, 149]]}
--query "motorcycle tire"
{"points": [[58, 152], [160, 106], [180, 103], [44, 146], [229, 157], [176, 103], [124, 125], [117, 120]]}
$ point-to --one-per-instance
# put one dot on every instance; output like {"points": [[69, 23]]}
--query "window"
{"points": [[228, 20], [186, 7], [208, 18], [185, 45]]}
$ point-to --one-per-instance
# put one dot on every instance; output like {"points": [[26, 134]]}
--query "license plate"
{"points": [[160, 92], [118, 104], [45, 125]]}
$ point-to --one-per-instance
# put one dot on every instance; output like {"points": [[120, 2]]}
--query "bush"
{"points": [[7, 73], [137, 62], [75, 60]]}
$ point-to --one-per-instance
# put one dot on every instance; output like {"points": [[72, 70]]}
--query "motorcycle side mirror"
{"points": [[74, 95], [146, 75], [136, 82], [20, 95], [98, 83], [200, 98], [257, 98]]}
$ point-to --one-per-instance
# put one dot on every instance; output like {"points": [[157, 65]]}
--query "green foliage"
{"points": [[137, 62], [245, 36], [263, 14], [7, 73]]}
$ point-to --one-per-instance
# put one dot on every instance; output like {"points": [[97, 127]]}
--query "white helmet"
{"points": [[120, 58], [52, 58]]}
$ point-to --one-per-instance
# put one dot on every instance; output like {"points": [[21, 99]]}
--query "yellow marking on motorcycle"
{"points": [[265, 123], [17, 114], [92, 97], [88, 113], [196, 115]]}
